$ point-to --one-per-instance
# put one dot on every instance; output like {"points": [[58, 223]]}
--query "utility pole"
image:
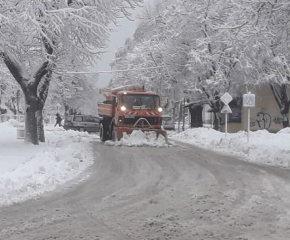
{"points": [[183, 111]]}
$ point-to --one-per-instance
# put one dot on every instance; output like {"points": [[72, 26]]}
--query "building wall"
{"points": [[265, 114]]}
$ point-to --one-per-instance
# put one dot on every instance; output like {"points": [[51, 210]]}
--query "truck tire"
{"points": [[103, 133]]}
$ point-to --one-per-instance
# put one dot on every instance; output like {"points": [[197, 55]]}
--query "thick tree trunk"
{"points": [[196, 116], [281, 94], [66, 110], [285, 113], [34, 128], [31, 133], [216, 110], [40, 126], [216, 121], [285, 120], [17, 101], [42, 95]]}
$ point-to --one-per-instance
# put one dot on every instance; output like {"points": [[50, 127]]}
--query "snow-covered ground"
{"points": [[27, 170], [263, 147]]}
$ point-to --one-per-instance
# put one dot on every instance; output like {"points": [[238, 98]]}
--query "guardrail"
{"points": [[6, 117]]}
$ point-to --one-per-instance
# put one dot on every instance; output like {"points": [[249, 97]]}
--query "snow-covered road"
{"points": [[180, 192]]}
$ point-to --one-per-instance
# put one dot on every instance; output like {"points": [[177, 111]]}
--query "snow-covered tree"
{"points": [[214, 55], [75, 93], [184, 46], [11, 97], [41, 38], [276, 68], [142, 60], [263, 29]]}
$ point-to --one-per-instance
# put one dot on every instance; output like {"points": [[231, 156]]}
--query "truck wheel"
{"points": [[103, 133]]}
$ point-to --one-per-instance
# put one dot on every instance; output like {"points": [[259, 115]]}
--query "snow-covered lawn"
{"points": [[27, 170], [263, 147]]}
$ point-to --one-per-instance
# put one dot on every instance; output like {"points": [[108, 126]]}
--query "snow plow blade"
{"points": [[121, 130]]}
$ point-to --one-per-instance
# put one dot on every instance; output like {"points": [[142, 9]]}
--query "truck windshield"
{"points": [[136, 101]]}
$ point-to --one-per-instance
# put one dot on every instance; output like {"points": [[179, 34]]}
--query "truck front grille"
{"points": [[132, 121]]}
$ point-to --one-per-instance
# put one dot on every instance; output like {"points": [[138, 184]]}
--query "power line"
{"points": [[112, 71]]}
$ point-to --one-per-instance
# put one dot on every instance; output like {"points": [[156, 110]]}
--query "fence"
{"points": [[20, 118], [6, 117]]}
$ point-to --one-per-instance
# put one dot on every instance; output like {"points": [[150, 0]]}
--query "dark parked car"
{"points": [[86, 123]]}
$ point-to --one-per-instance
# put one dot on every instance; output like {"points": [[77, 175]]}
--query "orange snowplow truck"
{"points": [[129, 108]]}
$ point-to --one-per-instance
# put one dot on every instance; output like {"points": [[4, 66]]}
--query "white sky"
{"points": [[125, 30], [27, 170]]}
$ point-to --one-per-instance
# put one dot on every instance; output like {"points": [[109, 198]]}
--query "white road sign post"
{"points": [[226, 99], [249, 101], [226, 110]]}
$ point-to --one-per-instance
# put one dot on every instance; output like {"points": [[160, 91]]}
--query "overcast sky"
{"points": [[125, 30]]}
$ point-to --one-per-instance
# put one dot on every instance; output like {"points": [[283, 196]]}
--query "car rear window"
{"points": [[166, 118], [68, 118], [92, 119], [96, 120]]}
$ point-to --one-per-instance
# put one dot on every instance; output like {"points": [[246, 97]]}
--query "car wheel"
{"points": [[81, 129]]}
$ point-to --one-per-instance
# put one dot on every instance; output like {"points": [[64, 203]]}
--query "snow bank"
{"points": [[263, 147], [42, 168], [141, 139]]}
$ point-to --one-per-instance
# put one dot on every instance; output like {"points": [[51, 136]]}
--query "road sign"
{"points": [[226, 98], [249, 100], [226, 109]]}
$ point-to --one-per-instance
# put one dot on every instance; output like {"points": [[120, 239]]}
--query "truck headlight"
{"points": [[160, 109], [123, 108]]}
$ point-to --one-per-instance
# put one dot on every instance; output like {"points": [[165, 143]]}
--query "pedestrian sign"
{"points": [[249, 100]]}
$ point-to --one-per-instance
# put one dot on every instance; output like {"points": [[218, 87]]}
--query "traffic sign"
{"points": [[249, 100], [226, 98], [226, 109]]}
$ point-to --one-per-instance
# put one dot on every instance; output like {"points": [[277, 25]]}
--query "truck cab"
{"points": [[132, 106]]}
